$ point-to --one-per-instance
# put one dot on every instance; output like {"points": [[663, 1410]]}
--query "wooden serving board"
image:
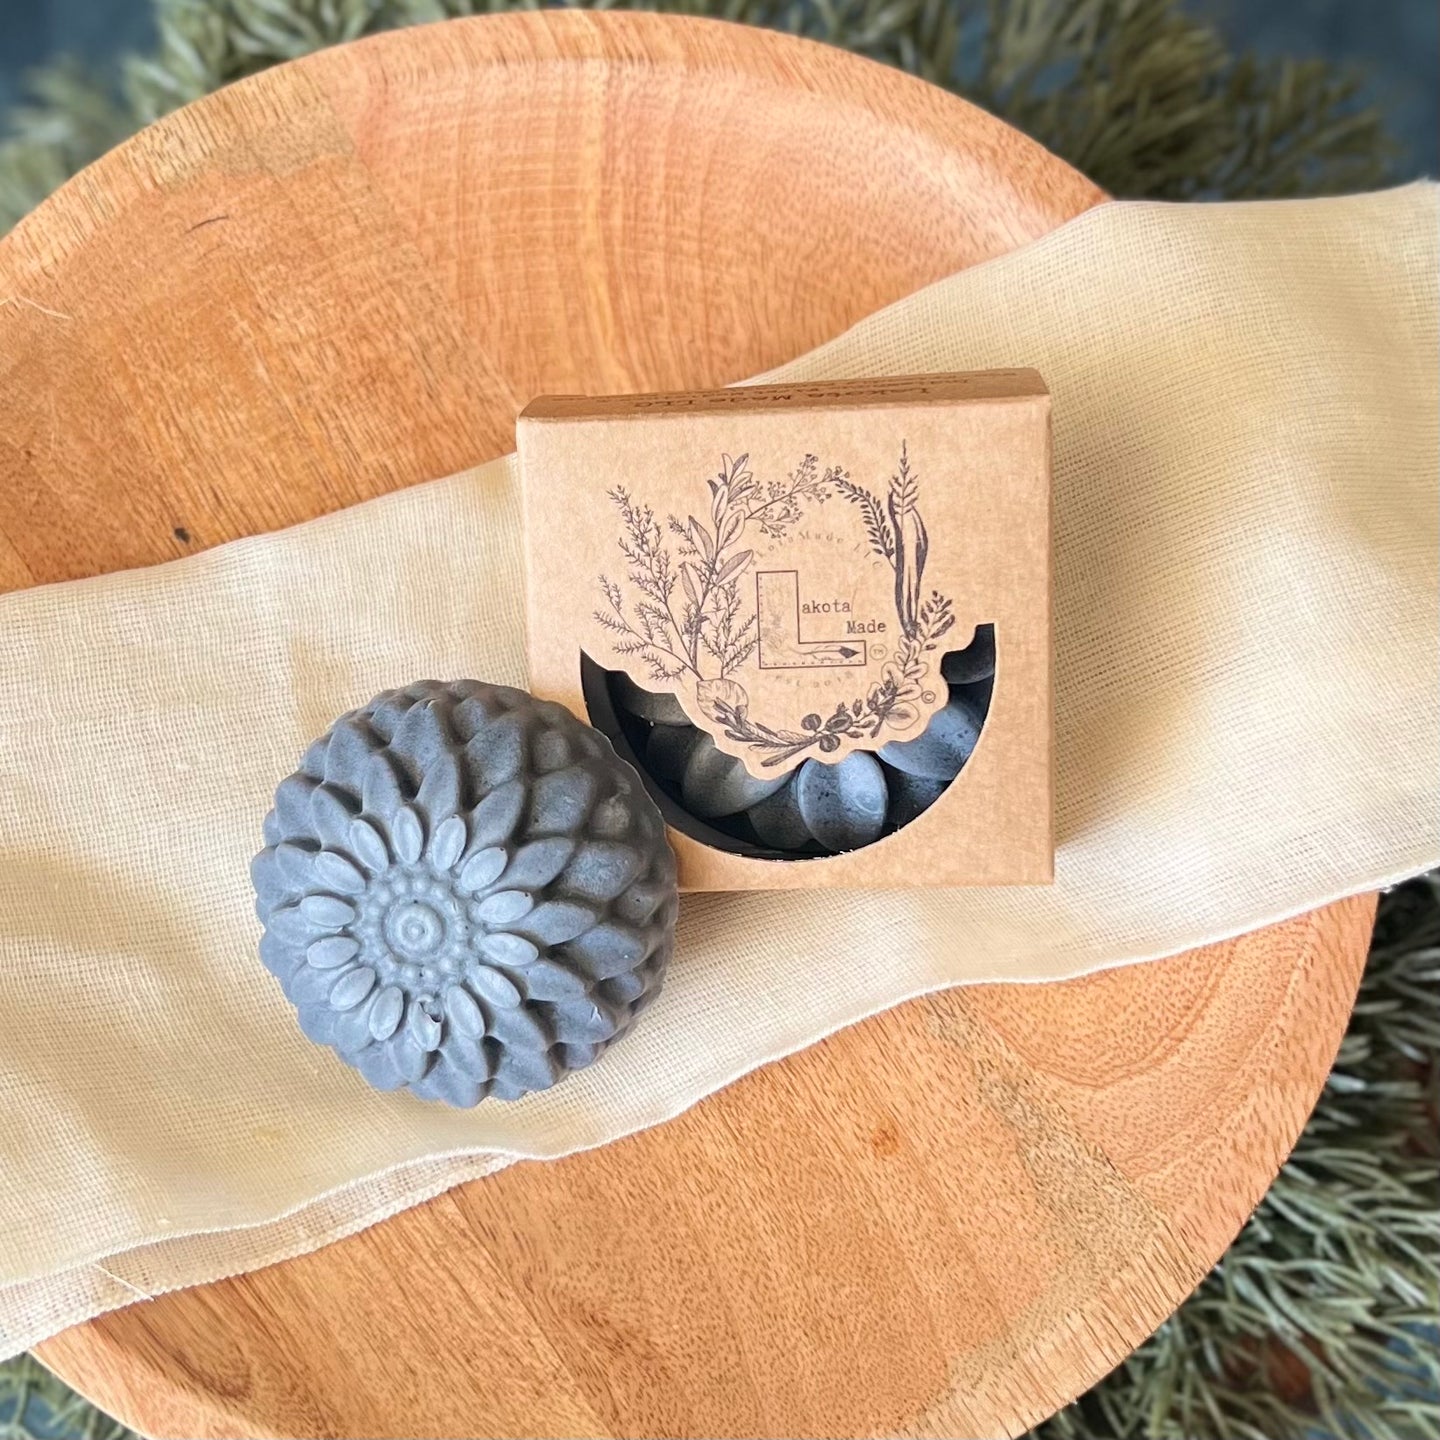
{"points": [[348, 275]]}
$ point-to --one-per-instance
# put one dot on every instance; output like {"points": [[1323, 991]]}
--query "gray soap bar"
{"points": [[657, 707], [942, 748], [778, 821], [976, 695], [716, 784], [843, 805], [910, 795], [668, 750], [839, 807], [465, 892], [975, 662]]}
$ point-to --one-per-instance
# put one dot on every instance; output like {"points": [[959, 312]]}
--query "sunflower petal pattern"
{"points": [[465, 892]]}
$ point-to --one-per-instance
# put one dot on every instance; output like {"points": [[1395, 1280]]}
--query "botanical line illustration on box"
{"points": [[688, 606]]}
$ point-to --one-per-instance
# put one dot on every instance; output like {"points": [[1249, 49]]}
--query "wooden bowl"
{"points": [[347, 275]]}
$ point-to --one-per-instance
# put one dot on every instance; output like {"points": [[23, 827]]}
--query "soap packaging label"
{"points": [[814, 617]]}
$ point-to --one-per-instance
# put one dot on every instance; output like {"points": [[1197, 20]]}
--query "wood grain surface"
{"points": [[348, 275]]}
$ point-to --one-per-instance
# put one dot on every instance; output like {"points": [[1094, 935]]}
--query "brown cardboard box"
{"points": [[791, 563]]}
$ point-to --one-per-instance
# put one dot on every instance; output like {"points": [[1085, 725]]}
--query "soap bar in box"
{"points": [[816, 617]]}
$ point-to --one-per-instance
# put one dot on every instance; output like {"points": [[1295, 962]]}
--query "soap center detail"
{"points": [[414, 929]]}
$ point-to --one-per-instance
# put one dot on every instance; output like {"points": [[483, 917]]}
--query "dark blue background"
{"points": [[1396, 42]]}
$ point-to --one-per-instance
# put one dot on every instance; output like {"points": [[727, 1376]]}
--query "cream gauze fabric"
{"points": [[1245, 411]]}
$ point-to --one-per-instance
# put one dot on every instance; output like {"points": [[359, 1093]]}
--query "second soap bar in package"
{"points": [[815, 618]]}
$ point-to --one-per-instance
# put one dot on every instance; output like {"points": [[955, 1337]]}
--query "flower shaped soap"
{"points": [[465, 892]]}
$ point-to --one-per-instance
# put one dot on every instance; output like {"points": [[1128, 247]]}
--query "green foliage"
{"points": [[1316, 1319], [69, 119], [34, 1405]]}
